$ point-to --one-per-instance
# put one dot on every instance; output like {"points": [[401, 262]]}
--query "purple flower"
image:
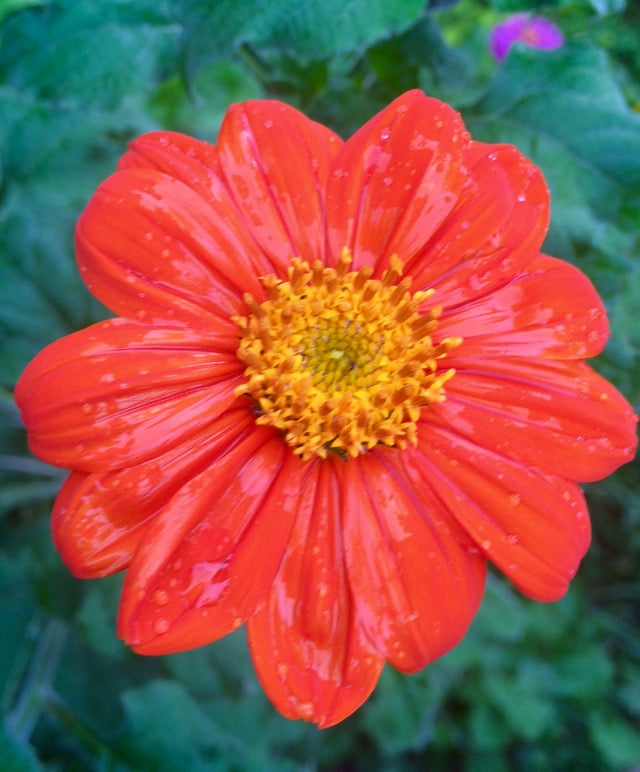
{"points": [[536, 32]]}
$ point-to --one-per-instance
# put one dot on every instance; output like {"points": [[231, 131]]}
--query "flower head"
{"points": [[342, 377], [536, 32]]}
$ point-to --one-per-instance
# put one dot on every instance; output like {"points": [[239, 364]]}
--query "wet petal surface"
{"points": [[137, 391], [310, 651], [416, 585]]}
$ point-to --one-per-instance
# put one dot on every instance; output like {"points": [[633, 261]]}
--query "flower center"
{"points": [[339, 361]]}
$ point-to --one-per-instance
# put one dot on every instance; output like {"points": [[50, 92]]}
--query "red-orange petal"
{"points": [[214, 550], [534, 527], [120, 393], [550, 309], [275, 162], [396, 180], [150, 247], [415, 583], [557, 417], [310, 652], [197, 165], [497, 225], [98, 519]]}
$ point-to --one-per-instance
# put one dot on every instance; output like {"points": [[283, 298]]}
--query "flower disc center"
{"points": [[339, 361]]}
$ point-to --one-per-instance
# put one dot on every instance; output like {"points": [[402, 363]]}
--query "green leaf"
{"points": [[87, 53], [617, 741], [200, 112], [315, 29], [566, 100], [522, 702], [97, 617], [564, 110], [404, 711], [7, 7], [168, 730], [16, 756]]}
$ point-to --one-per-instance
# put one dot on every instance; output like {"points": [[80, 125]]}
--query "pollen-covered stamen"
{"points": [[339, 361]]}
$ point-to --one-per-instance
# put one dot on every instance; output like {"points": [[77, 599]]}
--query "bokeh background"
{"points": [[532, 687]]}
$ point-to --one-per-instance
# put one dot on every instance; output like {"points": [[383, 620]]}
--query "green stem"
{"points": [[35, 686]]}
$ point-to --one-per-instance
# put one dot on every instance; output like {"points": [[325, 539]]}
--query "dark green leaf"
{"points": [[316, 29]]}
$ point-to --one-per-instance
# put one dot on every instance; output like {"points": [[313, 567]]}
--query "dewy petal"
{"points": [[119, 393], [311, 654], [275, 162], [98, 519], [214, 550], [396, 180], [557, 417], [534, 527], [416, 584], [150, 247], [549, 310], [197, 165], [498, 224]]}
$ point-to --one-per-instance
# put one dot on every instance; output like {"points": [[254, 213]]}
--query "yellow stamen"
{"points": [[340, 362]]}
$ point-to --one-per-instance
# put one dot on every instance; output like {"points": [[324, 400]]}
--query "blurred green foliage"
{"points": [[532, 687]]}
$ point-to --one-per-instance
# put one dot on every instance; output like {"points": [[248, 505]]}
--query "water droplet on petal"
{"points": [[161, 597], [161, 625], [268, 124], [305, 710], [514, 499]]}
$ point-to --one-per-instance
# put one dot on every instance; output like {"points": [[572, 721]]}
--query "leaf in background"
{"points": [[89, 54], [315, 29], [167, 729], [616, 739], [403, 713], [97, 617], [74, 76], [564, 110], [200, 112], [8, 7], [15, 756], [567, 98]]}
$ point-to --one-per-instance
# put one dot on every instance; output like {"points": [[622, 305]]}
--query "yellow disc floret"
{"points": [[339, 361]]}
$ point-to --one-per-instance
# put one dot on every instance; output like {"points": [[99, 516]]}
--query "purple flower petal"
{"points": [[536, 32]]}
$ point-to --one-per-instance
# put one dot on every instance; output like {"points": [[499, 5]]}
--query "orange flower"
{"points": [[342, 377]]}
